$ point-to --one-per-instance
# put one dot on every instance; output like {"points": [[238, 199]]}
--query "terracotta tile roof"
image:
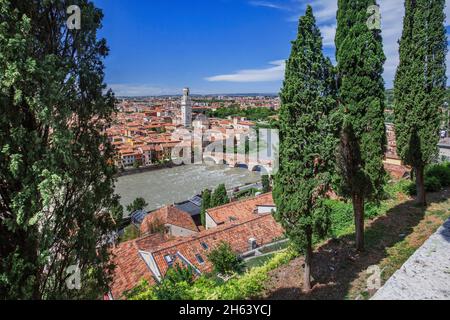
{"points": [[246, 123], [130, 267], [396, 171], [169, 215], [263, 228], [240, 210]]}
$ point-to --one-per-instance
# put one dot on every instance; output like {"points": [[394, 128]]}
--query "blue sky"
{"points": [[216, 46]]}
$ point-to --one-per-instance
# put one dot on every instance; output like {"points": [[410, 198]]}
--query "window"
{"points": [[204, 246], [168, 259], [199, 259]]}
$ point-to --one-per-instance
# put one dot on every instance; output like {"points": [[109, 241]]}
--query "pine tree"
{"points": [[206, 204], [219, 197], [360, 57], [420, 86], [136, 205], [57, 202], [307, 141]]}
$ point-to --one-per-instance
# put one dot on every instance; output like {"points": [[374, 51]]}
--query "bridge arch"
{"points": [[210, 159], [260, 168], [241, 165]]}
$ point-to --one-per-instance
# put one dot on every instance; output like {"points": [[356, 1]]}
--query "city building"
{"points": [[174, 221]]}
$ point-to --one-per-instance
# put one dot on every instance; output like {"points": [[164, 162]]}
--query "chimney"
{"points": [[252, 245]]}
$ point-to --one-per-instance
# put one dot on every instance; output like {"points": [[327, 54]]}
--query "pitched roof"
{"points": [[130, 267], [264, 229], [396, 171], [240, 210], [169, 215]]}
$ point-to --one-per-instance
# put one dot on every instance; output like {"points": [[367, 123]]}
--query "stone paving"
{"points": [[426, 275]]}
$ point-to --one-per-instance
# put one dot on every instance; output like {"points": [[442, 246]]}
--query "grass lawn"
{"points": [[258, 261]]}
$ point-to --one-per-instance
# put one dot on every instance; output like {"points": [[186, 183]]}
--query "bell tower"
{"points": [[186, 109]]}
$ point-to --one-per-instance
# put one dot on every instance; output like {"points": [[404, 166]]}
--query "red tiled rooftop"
{"points": [[240, 210], [396, 171], [130, 267], [263, 228], [169, 215]]}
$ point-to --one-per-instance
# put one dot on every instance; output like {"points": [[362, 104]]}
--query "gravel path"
{"points": [[426, 275]]}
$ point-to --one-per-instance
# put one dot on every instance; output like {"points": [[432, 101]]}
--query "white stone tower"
{"points": [[186, 109]]}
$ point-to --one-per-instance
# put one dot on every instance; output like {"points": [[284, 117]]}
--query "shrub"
{"points": [[249, 285], [156, 226], [373, 210], [130, 233], [440, 172], [266, 183], [175, 285], [411, 189], [246, 286], [225, 261], [246, 193], [392, 190], [219, 197], [341, 217], [432, 184]]}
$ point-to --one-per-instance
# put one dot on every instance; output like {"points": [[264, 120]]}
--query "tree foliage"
{"points": [[136, 205], [219, 197], [420, 85], [225, 260], [56, 175], [360, 57], [266, 183], [307, 141], [254, 114], [175, 283]]}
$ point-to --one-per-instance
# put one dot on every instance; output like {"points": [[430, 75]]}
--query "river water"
{"points": [[172, 185]]}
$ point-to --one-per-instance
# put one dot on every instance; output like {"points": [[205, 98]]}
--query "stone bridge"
{"points": [[249, 162]]}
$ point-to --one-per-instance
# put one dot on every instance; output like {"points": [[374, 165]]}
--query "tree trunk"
{"points": [[358, 209], [420, 184], [308, 258]]}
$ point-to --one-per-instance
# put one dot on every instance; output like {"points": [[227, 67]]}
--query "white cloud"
{"points": [[328, 34], [275, 73], [268, 4]]}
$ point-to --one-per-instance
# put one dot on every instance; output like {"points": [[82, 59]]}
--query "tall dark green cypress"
{"points": [[360, 60], [420, 85], [306, 141], [219, 197]]}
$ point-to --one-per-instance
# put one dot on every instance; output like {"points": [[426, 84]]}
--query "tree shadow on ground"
{"points": [[336, 265]]}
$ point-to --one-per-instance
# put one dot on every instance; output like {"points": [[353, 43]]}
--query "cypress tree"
{"points": [[306, 141], [265, 183], [57, 203], [219, 196], [420, 86], [360, 155]]}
